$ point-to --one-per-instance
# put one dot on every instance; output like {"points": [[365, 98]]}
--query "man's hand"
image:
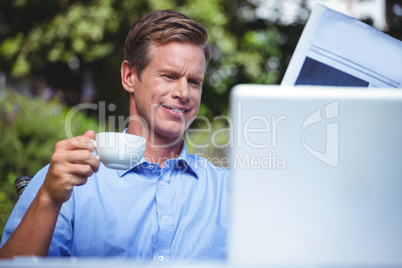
{"points": [[71, 164]]}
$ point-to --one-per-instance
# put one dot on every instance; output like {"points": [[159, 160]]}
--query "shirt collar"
{"points": [[182, 161], [184, 157]]}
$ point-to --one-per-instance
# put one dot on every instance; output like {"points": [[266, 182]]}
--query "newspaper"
{"points": [[337, 50]]}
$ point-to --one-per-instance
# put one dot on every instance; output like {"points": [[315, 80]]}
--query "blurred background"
{"points": [[57, 54]]}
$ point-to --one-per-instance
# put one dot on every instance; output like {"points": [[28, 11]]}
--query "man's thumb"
{"points": [[90, 134]]}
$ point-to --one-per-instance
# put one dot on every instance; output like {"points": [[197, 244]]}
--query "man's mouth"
{"points": [[175, 109]]}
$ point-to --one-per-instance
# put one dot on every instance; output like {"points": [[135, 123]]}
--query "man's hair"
{"points": [[162, 27]]}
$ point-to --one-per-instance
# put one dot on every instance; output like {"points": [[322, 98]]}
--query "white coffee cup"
{"points": [[119, 150]]}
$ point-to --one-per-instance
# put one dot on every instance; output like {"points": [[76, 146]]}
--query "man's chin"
{"points": [[168, 136]]}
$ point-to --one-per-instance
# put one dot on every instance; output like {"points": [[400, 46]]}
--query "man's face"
{"points": [[169, 93]]}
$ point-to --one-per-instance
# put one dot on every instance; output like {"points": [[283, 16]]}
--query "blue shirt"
{"points": [[179, 212]]}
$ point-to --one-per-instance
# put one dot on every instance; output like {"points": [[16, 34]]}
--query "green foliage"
{"points": [[92, 34], [76, 31], [210, 139], [29, 129]]}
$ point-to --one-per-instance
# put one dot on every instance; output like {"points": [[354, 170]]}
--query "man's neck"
{"points": [[160, 149]]}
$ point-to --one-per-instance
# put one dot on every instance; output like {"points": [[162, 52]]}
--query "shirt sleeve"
{"points": [[62, 236], [61, 244], [23, 204]]}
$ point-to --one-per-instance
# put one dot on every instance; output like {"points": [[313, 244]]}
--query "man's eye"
{"points": [[168, 76], [194, 82]]}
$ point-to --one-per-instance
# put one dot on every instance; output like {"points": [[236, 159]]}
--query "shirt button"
{"points": [[161, 258], [162, 183], [151, 166], [164, 218]]}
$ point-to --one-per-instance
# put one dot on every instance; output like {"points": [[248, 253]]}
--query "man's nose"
{"points": [[181, 90]]}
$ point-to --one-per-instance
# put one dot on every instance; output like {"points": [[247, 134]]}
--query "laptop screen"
{"points": [[317, 176]]}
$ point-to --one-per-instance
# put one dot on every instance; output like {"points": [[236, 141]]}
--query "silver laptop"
{"points": [[317, 176]]}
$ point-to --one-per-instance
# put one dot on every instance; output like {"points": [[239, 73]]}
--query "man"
{"points": [[172, 205]]}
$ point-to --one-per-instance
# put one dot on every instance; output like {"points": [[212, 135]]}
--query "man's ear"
{"points": [[128, 76]]}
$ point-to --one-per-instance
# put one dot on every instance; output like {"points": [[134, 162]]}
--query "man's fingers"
{"points": [[85, 141], [78, 181], [76, 143], [83, 157], [81, 170]]}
